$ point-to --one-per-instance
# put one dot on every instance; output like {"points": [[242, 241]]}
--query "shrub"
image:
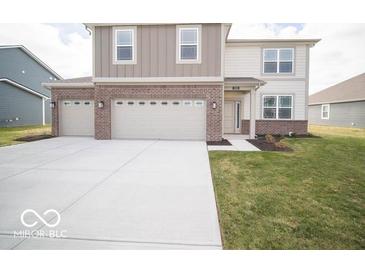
{"points": [[270, 139]]}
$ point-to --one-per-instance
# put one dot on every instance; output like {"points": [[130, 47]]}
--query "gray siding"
{"points": [[341, 114], [156, 53], [15, 102], [14, 60]]}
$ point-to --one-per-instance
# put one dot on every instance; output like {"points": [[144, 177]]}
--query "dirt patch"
{"points": [[273, 145], [34, 138], [224, 142]]}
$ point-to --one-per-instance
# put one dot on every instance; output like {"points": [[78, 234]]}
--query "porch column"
{"points": [[252, 113]]}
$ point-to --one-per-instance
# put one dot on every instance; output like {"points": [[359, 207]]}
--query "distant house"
{"points": [[23, 99], [341, 105]]}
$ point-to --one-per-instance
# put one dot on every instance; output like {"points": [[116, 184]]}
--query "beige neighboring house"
{"points": [[341, 105], [184, 81]]}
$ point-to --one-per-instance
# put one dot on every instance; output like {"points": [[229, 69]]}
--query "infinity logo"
{"points": [[31, 211]]}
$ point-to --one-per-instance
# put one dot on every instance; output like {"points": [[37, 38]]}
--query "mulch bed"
{"points": [[263, 145], [34, 138], [224, 142]]}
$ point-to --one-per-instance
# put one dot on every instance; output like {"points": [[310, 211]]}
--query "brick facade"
{"points": [[106, 93], [282, 127]]}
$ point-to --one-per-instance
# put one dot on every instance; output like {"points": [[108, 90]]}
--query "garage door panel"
{"points": [[164, 119], [77, 118]]}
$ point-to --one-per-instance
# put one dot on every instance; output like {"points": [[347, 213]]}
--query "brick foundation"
{"points": [[106, 93], [281, 127]]}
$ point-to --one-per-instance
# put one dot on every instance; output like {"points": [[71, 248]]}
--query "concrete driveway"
{"points": [[111, 194]]}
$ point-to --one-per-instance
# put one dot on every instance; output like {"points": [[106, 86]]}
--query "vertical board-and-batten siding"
{"points": [[156, 53]]}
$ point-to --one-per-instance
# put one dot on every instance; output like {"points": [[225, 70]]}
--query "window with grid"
{"points": [[189, 44], [278, 60], [124, 45], [277, 107]]}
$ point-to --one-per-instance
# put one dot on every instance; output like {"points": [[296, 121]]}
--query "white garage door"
{"points": [[158, 119], [77, 118]]}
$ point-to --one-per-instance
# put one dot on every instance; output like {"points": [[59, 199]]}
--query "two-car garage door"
{"points": [[158, 119]]}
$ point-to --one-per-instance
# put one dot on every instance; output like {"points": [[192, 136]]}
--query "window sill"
{"points": [[267, 119], [188, 62], [129, 62]]}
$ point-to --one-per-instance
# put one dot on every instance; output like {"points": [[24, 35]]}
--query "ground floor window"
{"points": [[277, 107], [325, 111]]}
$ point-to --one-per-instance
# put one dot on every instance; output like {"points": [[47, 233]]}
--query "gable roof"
{"points": [[11, 82], [350, 90], [35, 58]]}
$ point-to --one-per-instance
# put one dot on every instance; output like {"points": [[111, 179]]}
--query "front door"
{"points": [[229, 123]]}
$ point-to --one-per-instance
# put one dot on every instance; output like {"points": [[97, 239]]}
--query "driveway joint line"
{"points": [[45, 163], [94, 187]]}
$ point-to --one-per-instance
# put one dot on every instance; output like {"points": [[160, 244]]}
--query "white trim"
{"points": [[277, 106], [39, 61], [68, 85], [43, 111], [179, 28], [157, 79], [298, 41], [252, 113], [278, 61], [133, 30], [328, 106], [23, 87]]}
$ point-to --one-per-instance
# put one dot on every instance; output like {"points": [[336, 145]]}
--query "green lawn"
{"points": [[8, 135], [312, 198]]}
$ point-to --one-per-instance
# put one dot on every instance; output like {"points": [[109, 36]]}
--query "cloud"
{"points": [[69, 57], [338, 56]]}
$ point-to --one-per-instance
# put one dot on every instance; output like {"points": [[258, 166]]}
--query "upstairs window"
{"points": [[277, 107], [188, 44], [278, 60], [124, 45]]}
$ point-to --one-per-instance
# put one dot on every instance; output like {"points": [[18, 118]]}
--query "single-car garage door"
{"points": [[77, 118], [158, 119]]}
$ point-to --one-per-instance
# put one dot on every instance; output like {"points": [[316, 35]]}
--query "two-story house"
{"points": [[184, 81], [23, 99]]}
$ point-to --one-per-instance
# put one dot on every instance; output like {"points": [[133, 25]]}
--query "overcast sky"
{"points": [[67, 47]]}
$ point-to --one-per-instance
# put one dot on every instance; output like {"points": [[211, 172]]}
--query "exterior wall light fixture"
{"points": [[100, 104], [53, 104], [214, 105]]}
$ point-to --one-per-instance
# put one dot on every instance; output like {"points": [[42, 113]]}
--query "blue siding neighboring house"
{"points": [[23, 99]]}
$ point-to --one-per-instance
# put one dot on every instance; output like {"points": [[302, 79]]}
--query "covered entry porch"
{"points": [[239, 108]]}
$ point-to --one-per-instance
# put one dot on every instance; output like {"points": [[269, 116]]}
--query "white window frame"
{"points": [[322, 107], [134, 46], [278, 61], [179, 29], [277, 106]]}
